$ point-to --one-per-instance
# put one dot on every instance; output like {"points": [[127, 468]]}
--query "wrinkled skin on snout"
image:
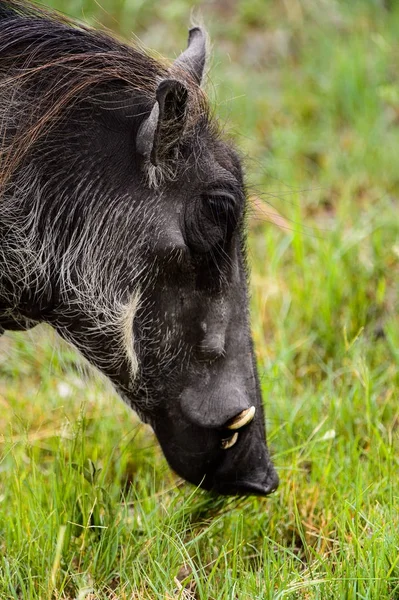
{"points": [[140, 262]]}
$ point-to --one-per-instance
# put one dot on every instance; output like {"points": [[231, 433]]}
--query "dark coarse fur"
{"points": [[121, 225]]}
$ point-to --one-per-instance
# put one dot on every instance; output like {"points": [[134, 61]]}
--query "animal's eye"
{"points": [[211, 219], [224, 209]]}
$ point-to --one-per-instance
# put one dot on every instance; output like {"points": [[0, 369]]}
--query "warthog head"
{"points": [[122, 226]]}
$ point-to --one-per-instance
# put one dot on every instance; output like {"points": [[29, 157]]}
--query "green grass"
{"points": [[88, 506]]}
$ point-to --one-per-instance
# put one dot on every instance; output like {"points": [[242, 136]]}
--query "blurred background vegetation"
{"points": [[309, 91]]}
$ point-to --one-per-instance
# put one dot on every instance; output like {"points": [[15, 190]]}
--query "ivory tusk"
{"points": [[229, 442], [242, 419]]}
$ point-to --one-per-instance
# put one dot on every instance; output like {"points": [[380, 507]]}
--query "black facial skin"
{"points": [[196, 362], [199, 306]]}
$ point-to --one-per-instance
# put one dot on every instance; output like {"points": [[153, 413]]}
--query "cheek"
{"points": [[170, 321], [181, 313], [182, 327]]}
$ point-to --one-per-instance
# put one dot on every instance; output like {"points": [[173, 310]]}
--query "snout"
{"points": [[245, 467], [232, 460], [254, 482]]}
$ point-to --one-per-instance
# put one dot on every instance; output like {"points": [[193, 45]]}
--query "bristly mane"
{"points": [[68, 62]]}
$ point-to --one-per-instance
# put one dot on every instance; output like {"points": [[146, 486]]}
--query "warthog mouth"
{"points": [[248, 487], [238, 422]]}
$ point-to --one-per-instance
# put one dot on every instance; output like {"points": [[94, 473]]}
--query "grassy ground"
{"points": [[88, 507]]}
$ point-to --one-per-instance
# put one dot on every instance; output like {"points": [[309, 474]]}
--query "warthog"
{"points": [[122, 226]]}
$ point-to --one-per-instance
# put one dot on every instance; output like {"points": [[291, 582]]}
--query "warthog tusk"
{"points": [[229, 442], [242, 419]]}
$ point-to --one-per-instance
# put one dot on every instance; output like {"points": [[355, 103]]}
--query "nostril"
{"points": [[242, 419], [273, 481]]}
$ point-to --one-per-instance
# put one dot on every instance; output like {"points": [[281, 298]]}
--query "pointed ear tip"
{"points": [[197, 31]]}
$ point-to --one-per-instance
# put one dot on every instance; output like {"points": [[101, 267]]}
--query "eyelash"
{"points": [[224, 208]]}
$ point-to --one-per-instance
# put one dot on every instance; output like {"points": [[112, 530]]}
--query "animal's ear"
{"points": [[160, 133], [193, 59]]}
